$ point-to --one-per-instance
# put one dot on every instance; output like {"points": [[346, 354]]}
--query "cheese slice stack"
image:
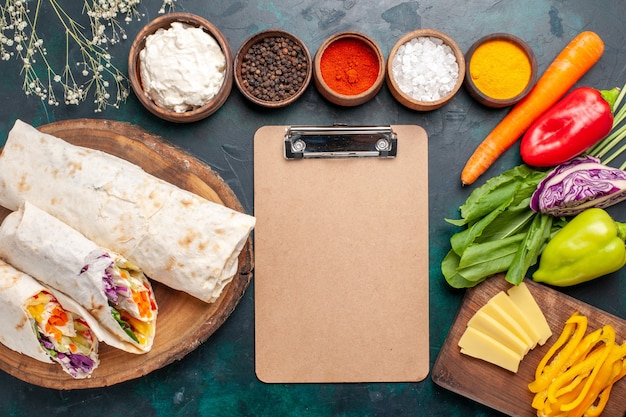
{"points": [[505, 329]]}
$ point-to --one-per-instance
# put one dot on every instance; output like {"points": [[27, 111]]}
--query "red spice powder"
{"points": [[349, 66]]}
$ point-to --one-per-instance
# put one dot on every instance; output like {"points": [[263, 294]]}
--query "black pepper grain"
{"points": [[274, 69]]}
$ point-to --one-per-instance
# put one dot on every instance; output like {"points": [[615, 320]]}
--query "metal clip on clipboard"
{"points": [[302, 142]]}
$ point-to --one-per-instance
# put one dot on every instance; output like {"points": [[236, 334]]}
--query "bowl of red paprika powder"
{"points": [[349, 68], [273, 68]]}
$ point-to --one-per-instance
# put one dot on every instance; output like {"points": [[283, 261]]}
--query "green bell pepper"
{"points": [[589, 246]]}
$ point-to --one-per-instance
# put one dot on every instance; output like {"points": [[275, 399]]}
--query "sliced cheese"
{"points": [[505, 319], [522, 296], [507, 304], [492, 328], [478, 345]]}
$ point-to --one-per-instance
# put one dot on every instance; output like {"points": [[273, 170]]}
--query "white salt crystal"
{"points": [[425, 68]]}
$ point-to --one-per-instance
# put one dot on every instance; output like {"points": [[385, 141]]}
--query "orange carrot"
{"points": [[143, 303], [58, 317], [566, 69]]}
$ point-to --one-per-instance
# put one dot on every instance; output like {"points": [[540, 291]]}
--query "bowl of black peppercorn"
{"points": [[273, 68]]}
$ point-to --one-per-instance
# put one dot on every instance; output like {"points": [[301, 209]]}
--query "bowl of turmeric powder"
{"points": [[501, 69], [349, 68]]}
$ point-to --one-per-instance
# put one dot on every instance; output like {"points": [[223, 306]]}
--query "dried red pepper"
{"points": [[569, 128]]}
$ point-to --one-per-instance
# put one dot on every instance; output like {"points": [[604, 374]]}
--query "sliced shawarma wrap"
{"points": [[45, 325], [180, 239], [111, 288]]}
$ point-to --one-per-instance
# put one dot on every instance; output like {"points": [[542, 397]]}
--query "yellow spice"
{"points": [[500, 69]]}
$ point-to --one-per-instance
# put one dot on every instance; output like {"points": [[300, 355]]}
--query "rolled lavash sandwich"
{"points": [[44, 325], [179, 238], [111, 289]]}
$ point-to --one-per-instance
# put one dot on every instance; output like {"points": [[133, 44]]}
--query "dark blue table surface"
{"points": [[218, 379]]}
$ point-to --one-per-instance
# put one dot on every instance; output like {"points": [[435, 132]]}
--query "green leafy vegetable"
{"points": [[502, 233], [124, 324], [505, 188], [539, 233]]}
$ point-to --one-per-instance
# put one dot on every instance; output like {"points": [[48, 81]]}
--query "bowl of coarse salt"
{"points": [[180, 67], [425, 69]]}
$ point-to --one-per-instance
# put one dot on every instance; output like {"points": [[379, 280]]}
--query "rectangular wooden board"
{"points": [[503, 390], [341, 264]]}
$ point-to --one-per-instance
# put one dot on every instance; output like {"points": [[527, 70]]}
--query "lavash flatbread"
{"points": [[61, 258], [17, 326], [178, 238]]}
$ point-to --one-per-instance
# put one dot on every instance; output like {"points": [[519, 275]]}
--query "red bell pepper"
{"points": [[569, 128]]}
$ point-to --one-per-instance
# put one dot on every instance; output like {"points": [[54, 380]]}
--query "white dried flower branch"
{"points": [[20, 40], [105, 13], [168, 5]]}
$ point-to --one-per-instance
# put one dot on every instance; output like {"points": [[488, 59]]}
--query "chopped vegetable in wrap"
{"points": [[128, 292], [45, 324], [66, 337]]}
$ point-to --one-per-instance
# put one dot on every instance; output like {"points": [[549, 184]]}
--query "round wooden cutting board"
{"points": [[184, 322]]}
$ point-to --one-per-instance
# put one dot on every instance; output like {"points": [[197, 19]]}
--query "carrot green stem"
{"points": [[618, 134], [609, 142], [618, 100]]}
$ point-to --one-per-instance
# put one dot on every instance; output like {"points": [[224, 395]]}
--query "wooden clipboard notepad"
{"points": [[341, 254]]}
